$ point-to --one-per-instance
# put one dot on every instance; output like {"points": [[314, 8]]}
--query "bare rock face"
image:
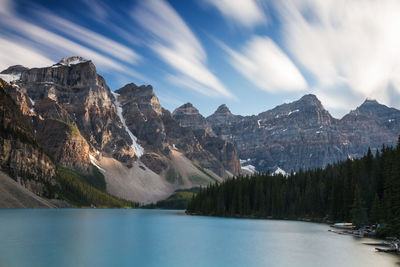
{"points": [[156, 162], [302, 134], [143, 115], [160, 133], [73, 92], [20, 155], [65, 143], [225, 152], [370, 125], [14, 70], [189, 116]]}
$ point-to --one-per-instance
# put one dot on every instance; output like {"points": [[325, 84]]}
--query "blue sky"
{"points": [[249, 54]]}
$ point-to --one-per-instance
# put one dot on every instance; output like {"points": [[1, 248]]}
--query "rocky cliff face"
{"points": [[72, 91], [20, 155], [189, 116], [304, 135], [159, 133], [65, 143]]}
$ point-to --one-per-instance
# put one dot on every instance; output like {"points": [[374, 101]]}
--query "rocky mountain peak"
{"points": [[223, 109], [187, 108], [309, 97], [221, 116], [72, 61], [134, 90], [189, 116], [188, 105], [369, 102], [373, 109], [144, 98], [14, 70], [73, 92], [311, 100]]}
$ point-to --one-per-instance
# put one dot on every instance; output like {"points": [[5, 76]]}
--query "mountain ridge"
{"points": [[308, 123], [143, 153]]}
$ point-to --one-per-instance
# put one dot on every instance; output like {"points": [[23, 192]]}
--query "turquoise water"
{"points": [[84, 237]]}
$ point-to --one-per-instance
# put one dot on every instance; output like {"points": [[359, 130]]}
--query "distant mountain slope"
{"points": [[302, 134]]}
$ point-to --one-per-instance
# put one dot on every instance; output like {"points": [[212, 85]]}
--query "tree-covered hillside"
{"points": [[362, 191]]}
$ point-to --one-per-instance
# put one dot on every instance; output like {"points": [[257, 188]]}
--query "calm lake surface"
{"points": [[85, 237]]}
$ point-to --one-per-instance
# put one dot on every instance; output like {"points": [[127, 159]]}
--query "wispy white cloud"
{"points": [[353, 43], [6, 6], [97, 8], [90, 38], [55, 41], [13, 53], [30, 36], [248, 13], [176, 45], [265, 65]]}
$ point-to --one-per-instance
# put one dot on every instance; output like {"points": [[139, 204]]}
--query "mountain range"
{"points": [[66, 115], [303, 135]]}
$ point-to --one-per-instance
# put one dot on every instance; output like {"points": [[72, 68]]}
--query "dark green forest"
{"points": [[362, 191]]}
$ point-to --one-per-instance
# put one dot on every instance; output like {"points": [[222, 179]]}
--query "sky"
{"points": [[249, 54]]}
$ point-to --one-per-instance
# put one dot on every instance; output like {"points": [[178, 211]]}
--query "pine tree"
{"points": [[359, 214]]}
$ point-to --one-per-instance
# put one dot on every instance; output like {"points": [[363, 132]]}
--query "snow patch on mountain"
{"points": [[93, 161], [279, 171], [139, 150], [293, 111], [33, 105], [250, 168], [10, 77], [70, 61], [246, 166]]}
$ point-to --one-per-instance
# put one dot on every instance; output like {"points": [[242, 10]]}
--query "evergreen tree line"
{"points": [[362, 191]]}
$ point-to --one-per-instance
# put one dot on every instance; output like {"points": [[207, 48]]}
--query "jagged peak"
{"points": [[133, 88], [370, 105], [310, 98], [369, 101], [72, 61], [15, 69], [186, 108], [186, 105], [223, 109]]}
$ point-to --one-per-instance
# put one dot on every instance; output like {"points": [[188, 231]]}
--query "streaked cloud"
{"points": [[45, 43], [265, 65], [97, 8], [13, 53], [90, 38], [352, 43], [173, 41], [6, 6], [54, 41], [248, 13]]}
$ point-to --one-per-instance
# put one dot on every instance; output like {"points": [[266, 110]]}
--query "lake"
{"points": [[96, 237]]}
